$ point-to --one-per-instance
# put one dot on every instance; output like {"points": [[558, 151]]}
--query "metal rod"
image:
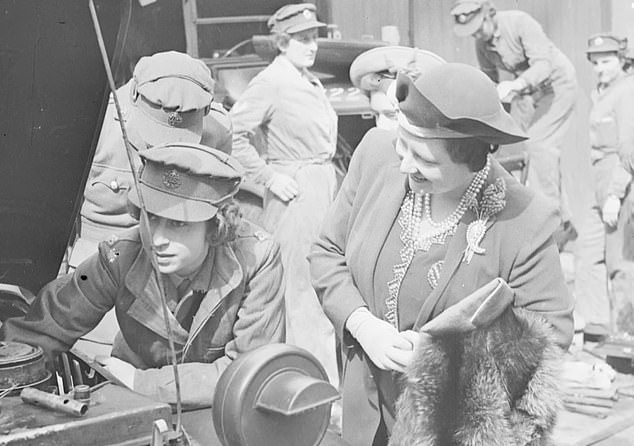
{"points": [[143, 221], [58, 403]]}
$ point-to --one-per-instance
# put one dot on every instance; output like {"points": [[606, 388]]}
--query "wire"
{"points": [[143, 225]]}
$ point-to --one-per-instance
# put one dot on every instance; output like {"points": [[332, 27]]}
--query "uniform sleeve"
{"points": [[538, 51], [66, 308], [261, 321], [625, 121], [252, 111], [486, 65], [538, 282], [330, 273]]}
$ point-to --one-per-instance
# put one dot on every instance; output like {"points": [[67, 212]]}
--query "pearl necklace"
{"points": [[414, 239], [421, 211]]}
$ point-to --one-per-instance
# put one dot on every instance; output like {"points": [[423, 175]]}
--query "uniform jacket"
{"points": [[523, 49], [104, 210], [291, 112], [519, 249], [612, 136], [242, 309]]}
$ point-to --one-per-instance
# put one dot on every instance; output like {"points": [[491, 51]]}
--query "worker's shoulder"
{"points": [[120, 246], [250, 232]]}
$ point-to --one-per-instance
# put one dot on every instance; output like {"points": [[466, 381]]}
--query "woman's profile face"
{"points": [[301, 48], [607, 66], [180, 247], [428, 166]]}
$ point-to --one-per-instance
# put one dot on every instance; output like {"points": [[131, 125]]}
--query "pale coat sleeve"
{"points": [[252, 111], [538, 51], [332, 278], [624, 111], [261, 320]]}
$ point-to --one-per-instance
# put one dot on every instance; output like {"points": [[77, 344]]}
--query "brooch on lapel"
{"points": [[493, 201]]}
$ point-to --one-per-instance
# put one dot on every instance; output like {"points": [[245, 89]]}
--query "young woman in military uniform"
{"points": [[222, 278]]}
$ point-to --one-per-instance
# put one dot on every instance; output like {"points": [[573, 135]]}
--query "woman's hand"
{"points": [[123, 371], [610, 211], [283, 186]]}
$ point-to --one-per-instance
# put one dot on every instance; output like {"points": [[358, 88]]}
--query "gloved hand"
{"points": [[283, 186], [610, 210], [123, 371], [508, 89], [386, 347]]}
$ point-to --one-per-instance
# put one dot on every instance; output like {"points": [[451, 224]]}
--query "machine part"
{"points": [[81, 393], [121, 418], [21, 366], [58, 403], [277, 394]]}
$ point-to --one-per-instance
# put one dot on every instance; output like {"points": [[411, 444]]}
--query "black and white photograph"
{"points": [[317, 223]]}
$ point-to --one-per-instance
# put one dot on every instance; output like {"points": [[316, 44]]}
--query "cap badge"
{"points": [[462, 18], [308, 14], [172, 179], [598, 41], [174, 119]]}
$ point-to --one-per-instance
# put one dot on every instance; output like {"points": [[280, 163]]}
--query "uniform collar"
{"points": [[220, 274], [302, 73]]}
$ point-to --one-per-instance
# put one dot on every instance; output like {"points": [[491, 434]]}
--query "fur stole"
{"points": [[494, 386]]}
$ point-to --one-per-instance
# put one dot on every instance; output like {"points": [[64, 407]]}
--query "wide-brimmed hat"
{"points": [[186, 181], [294, 18], [468, 16], [393, 59], [455, 100], [170, 94], [606, 43]]}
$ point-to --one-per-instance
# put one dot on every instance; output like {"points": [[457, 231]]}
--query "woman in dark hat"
{"points": [[422, 221], [287, 106], [603, 246]]}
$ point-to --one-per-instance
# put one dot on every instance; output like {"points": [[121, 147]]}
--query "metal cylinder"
{"points": [[54, 402], [81, 393]]}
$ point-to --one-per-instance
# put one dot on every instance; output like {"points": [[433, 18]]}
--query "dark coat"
{"points": [[243, 308], [519, 249], [495, 387]]}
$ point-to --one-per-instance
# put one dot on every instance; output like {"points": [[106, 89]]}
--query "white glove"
{"points": [[508, 89], [123, 371], [610, 211], [386, 347], [283, 186]]}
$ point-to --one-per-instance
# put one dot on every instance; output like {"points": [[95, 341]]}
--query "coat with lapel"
{"points": [[519, 249]]}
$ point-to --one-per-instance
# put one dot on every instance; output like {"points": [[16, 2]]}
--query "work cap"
{"points": [[454, 100], [468, 16], [186, 181], [392, 59], [606, 43], [294, 18], [171, 93]]}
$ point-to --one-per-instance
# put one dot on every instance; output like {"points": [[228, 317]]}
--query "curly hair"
{"points": [[222, 228]]}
